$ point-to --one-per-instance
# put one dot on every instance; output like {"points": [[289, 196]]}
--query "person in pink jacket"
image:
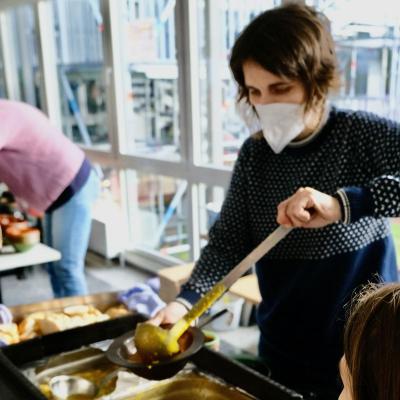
{"points": [[48, 173]]}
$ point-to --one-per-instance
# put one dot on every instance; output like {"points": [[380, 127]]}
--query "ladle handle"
{"points": [[212, 318], [263, 248], [219, 288]]}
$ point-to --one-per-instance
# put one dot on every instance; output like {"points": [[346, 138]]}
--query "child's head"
{"points": [[370, 368]]}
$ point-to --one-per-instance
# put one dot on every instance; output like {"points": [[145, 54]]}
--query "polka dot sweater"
{"points": [[307, 278]]}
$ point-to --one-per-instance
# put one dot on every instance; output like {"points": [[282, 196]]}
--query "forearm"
{"points": [[381, 198]]}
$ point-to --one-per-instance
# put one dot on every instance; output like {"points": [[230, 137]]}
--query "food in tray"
{"points": [[190, 386], [81, 309], [117, 311], [55, 322], [46, 322], [9, 333], [28, 328], [124, 385]]}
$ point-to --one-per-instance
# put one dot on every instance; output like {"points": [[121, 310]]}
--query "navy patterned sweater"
{"points": [[308, 277]]}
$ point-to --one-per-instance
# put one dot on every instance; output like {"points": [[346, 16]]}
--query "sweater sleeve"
{"points": [[380, 152], [229, 237]]}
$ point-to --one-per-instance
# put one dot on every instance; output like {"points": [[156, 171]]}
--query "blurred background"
{"points": [[144, 87]]}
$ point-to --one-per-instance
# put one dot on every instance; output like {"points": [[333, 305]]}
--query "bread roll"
{"points": [[54, 322], [9, 333], [81, 310], [102, 317], [117, 311], [77, 310], [44, 323], [28, 336], [29, 326]]}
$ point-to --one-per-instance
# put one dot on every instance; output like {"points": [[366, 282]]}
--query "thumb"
{"points": [[157, 319]]}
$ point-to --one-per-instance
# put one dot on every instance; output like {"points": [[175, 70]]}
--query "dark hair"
{"points": [[372, 343], [291, 41]]}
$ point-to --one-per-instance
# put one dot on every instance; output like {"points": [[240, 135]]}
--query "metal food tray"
{"points": [[207, 361], [101, 301], [187, 383]]}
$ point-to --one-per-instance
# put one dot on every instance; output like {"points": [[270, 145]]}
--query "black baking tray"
{"points": [[14, 385]]}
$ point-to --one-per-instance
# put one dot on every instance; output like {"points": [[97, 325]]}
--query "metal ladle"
{"points": [[123, 351], [159, 347], [154, 343]]}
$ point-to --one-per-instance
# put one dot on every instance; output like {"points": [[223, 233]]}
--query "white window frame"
{"points": [[188, 168]]}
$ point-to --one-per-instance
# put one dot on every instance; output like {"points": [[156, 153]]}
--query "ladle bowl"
{"points": [[123, 353]]}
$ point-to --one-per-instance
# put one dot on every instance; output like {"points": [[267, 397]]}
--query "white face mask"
{"points": [[281, 123]]}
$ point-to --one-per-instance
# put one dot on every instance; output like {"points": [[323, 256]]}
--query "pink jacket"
{"points": [[37, 162]]}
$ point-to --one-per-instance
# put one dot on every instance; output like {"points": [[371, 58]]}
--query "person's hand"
{"points": [[171, 313], [308, 208], [34, 213]]}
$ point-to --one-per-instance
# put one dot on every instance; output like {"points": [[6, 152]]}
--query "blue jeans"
{"points": [[67, 229]]}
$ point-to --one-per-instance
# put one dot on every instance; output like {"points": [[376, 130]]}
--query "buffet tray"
{"points": [[102, 301], [16, 357], [92, 364], [30, 329]]}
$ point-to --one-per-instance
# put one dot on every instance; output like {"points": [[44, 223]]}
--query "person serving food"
{"points": [[332, 174]]}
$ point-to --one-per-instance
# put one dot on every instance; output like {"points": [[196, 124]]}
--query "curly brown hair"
{"points": [[372, 343], [291, 41]]}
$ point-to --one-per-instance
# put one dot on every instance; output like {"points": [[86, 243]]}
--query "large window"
{"points": [[145, 87], [3, 89], [222, 131], [25, 76], [79, 34], [210, 199], [150, 74], [159, 217], [367, 36]]}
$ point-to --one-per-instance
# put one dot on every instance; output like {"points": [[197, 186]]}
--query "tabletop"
{"points": [[38, 254]]}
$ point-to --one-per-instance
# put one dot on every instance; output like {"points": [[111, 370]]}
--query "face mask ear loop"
{"points": [[248, 114]]}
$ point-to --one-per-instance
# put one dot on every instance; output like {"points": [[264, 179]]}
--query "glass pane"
{"points": [[3, 90], [210, 203], [110, 189], [79, 30], [220, 22], [159, 214], [25, 54], [151, 88], [367, 38], [109, 224]]}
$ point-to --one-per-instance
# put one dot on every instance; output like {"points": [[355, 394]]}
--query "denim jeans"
{"points": [[67, 229]]}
